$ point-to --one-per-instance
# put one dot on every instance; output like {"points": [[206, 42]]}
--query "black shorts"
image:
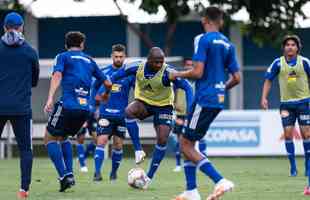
{"points": [[91, 126], [162, 115], [199, 122], [179, 128], [66, 122], [111, 126], [292, 112]]}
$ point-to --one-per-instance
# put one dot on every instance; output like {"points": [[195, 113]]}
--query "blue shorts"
{"points": [[292, 112], [162, 115], [179, 128], [199, 122], [91, 126], [111, 126], [66, 122]]}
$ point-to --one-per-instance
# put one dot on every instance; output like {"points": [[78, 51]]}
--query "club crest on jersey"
{"points": [[103, 122], [116, 87], [284, 113]]}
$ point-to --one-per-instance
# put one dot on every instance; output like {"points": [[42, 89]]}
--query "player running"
{"points": [[293, 71], [111, 122], [213, 55], [73, 70], [153, 96]]}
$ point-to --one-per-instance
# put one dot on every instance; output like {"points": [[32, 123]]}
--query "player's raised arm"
{"points": [[127, 70]]}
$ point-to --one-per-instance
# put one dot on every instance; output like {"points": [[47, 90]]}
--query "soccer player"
{"points": [[111, 122], [73, 70], [153, 96], [213, 55], [181, 112], [19, 72], [293, 71]]}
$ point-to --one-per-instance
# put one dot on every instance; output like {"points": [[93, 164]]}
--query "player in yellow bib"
{"points": [[153, 97], [293, 71]]}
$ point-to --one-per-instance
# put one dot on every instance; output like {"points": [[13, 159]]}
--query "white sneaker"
{"points": [[84, 169], [177, 168], [189, 195], [147, 183], [220, 188], [139, 157]]}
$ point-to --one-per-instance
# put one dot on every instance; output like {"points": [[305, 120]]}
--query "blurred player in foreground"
{"points": [[153, 97], [293, 71], [213, 55], [73, 70]]}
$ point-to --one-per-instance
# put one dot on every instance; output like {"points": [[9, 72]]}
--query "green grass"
{"points": [[255, 179]]}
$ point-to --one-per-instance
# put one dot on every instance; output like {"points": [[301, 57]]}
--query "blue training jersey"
{"points": [[77, 70], [274, 69], [118, 100], [132, 68], [218, 55]]}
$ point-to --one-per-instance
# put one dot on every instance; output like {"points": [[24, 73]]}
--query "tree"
{"points": [[269, 19], [174, 9]]}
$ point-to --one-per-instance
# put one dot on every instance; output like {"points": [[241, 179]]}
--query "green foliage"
{"points": [[269, 19]]}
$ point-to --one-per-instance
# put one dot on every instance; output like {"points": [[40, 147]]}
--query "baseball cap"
{"points": [[13, 20]]}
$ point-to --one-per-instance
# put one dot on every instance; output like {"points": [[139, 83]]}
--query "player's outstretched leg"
{"points": [[204, 165], [162, 132], [133, 131]]}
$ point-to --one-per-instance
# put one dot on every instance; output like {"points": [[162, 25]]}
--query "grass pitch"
{"points": [[255, 179]]}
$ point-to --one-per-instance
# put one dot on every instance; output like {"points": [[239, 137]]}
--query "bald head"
{"points": [[155, 58]]}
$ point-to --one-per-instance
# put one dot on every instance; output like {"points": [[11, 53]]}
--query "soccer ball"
{"points": [[136, 178]]}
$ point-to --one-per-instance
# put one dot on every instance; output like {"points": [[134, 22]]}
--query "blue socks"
{"points": [[117, 156], [99, 157], [306, 144], [55, 154], [81, 154], [66, 148], [158, 156], [190, 175], [177, 154], [207, 168], [203, 147], [90, 149], [290, 149], [133, 131]]}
